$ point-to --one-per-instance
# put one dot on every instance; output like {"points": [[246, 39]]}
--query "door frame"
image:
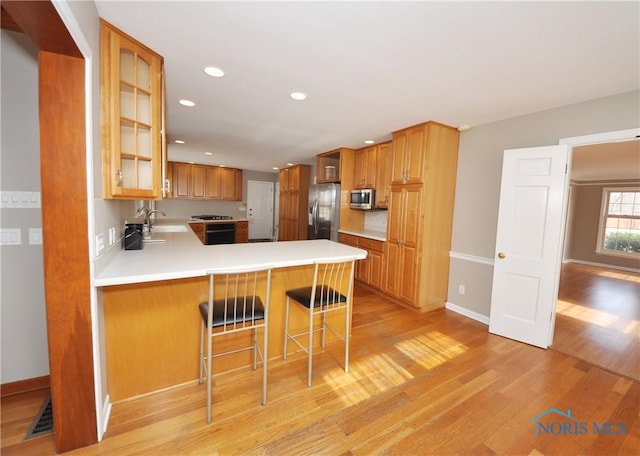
{"points": [[575, 141]]}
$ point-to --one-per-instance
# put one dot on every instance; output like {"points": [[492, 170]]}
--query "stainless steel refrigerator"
{"points": [[324, 211]]}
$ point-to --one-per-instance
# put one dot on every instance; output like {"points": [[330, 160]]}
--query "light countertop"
{"points": [[182, 255], [370, 234]]}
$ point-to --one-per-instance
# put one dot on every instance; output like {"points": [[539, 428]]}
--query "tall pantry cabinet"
{"points": [[420, 214], [293, 203]]}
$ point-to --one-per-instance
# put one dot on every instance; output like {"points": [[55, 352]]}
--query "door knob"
{"points": [[502, 255]]}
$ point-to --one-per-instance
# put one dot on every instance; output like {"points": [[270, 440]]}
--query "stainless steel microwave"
{"points": [[363, 198]]}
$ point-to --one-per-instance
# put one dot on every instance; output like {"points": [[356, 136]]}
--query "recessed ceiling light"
{"points": [[369, 141], [188, 103], [289, 164], [213, 71], [298, 96], [179, 141], [191, 163], [276, 168], [464, 128], [208, 153], [222, 166]]}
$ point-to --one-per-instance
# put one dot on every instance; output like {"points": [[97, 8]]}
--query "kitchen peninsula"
{"points": [[149, 301]]}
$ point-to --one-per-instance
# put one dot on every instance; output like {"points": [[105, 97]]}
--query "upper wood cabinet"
{"points": [[366, 165], [372, 169], [231, 184], [383, 175], [409, 158], [132, 117], [191, 181]]}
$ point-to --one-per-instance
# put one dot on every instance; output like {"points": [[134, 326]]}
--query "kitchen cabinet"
{"points": [[409, 158], [231, 184], [132, 117], [212, 183], [365, 167], [370, 270], [198, 229], [191, 181], [372, 169], [293, 203], [420, 216], [242, 231], [197, 182], [181, 180], [383, 175]]}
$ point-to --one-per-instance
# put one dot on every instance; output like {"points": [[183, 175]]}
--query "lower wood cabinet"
{"points": [[242, 232], [368, 271]]}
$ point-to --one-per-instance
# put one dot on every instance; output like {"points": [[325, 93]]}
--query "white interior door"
{"points": [[528, 243], [260, 209]]}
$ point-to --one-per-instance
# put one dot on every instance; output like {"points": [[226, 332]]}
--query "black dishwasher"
{"points": [[220, 233]]}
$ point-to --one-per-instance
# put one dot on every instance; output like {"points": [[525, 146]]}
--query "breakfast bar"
{"points": [[150, 297]]}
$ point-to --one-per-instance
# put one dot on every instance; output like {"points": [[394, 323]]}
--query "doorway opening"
{"points": [[598, 306]]}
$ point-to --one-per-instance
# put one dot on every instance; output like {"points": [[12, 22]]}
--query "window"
{"points": [[619, 232]]}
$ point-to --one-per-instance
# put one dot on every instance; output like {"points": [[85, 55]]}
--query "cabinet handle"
{"points": [[119, 178]]}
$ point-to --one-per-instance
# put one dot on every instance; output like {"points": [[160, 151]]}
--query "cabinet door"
{"points": [[132, 117], [398, 146], [376, 262], [228, 185], [242, 232], [383, 175], [213, 183], [409, 155], [403, 242], [181, 180], [294, 179], [170, 180], [284, 180], [197, 184], [394, 241], [360, 169], [415, 154]]}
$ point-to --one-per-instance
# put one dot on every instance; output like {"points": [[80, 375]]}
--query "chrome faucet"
{"points": [[150, 213], [147, 215]]}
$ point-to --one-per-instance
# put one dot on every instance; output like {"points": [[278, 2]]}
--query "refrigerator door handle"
{"points": [[314, 217]]}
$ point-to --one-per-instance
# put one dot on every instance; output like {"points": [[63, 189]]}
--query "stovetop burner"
{"points": [[211, 217]]}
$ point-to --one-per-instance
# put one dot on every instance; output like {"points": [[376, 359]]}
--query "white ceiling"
{"points": [[613, 161], [370, 68]]}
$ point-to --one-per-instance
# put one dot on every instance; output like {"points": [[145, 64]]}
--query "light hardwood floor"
{"points": [[598, 317], [433, 384]]}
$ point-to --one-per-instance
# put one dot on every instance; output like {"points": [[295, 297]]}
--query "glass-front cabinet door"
{"points": [[132, 117]]}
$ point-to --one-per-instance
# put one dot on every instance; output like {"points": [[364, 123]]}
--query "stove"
{"points": [[211, 217]]}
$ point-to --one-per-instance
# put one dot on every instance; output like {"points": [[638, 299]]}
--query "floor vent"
{"points": [[43, 423]]}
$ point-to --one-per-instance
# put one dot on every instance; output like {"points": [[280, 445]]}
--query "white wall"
{"points": [[478, 181], [22, 305]]}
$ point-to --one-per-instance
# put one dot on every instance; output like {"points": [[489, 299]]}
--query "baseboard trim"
{"points": [[603, 265], [25, 386], [468, 313]]}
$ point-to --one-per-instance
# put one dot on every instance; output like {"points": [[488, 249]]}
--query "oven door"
{"points": [[220, 233]]}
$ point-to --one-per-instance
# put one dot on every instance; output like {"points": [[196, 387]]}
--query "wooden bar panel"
{"points": [[152, 331]]}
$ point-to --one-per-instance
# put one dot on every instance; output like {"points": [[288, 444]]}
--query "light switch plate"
{"points": [[10, 236]]}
